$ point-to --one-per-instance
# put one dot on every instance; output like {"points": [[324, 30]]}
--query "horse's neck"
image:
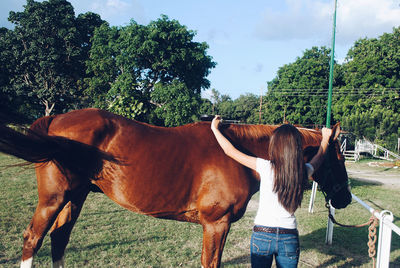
{"points": [[251, 139], [311, 137]]}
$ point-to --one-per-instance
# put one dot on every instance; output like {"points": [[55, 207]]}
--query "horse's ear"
{"points": [[335, 132]]}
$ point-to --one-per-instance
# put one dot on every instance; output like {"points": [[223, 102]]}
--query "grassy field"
{"points": [[107, 235]]}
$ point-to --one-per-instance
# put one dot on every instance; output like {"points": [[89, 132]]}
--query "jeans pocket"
{"points": [[261, 245], [292, 249]]}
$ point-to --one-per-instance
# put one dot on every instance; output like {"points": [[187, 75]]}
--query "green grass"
{"points": [[107, 235]]}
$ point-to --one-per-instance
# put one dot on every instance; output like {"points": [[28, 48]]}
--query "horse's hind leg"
{"points": [[62, 227], [44, 216], [53, 193]]}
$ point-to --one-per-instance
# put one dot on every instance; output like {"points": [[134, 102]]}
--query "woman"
{"points": [[283, 178]]}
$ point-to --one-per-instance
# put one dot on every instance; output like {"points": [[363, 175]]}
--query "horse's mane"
{"points": [[311, 137], [256, 132]]}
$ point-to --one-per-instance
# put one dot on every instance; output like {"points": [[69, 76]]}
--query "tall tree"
{"points": [[246, 108], [177, 104], [298, 93], [50, 46], [368, 104], [6, 66], [133, 61]]}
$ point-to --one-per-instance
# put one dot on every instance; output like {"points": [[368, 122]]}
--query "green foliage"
{"points": [[49, 45], [309, 71], [162, 53], [206, 107], [298, 93], [126, 99], [155, 73], [7, 61], [365, 96], [368, 104], [176, 104], [374, 63], [245, 108]]}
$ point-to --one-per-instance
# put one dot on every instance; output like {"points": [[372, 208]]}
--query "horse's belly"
{"points": [[159, 202]]}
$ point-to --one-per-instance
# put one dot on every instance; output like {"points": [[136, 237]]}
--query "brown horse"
{"points": [[173, 173]]}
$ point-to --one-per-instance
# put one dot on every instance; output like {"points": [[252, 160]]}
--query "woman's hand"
{"points": [[317, 160], [326, 134], [215, 122], [229, 149]]}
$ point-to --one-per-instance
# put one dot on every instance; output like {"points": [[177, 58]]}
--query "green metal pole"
{"points": [[329, 227], [328, 113]]}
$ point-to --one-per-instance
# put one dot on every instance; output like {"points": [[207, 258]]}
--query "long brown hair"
{"points": [[286, 155]]}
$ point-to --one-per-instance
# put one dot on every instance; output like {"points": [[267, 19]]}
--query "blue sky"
{"points": [[250, 40]]}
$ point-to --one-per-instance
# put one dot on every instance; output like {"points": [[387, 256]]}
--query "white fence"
{"points": [[386, 227], [366, 146]]}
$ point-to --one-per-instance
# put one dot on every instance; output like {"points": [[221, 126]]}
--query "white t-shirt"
{"points": [[270, 212]]}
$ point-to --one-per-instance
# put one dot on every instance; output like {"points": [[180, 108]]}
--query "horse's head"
{"points": [[331, 176]]}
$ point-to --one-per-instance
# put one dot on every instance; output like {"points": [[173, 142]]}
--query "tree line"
{"points": [[366, 92], [53, 61]]}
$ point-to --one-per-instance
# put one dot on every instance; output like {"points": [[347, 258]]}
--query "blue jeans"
{"points": [[264, 246]]}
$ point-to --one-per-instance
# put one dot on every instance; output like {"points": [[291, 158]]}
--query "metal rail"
{"points": [[386, 227]]}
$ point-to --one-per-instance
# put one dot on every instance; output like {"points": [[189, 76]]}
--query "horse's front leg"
{"points": [[214, 237]]}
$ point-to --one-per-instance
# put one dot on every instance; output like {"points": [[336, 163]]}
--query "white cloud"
{"points": [[312, 19], [301, 19], [366, 18], [119, 12]]}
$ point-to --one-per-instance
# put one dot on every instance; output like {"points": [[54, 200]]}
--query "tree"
{"points": [[6, 66], [161, 55], [374, 63], [246, 108], [206, 107], [177, 104], [298, 93], [368, 104], [50, 46]]}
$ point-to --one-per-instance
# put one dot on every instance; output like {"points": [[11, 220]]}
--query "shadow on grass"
{"points": [[356, 182], [349, 247], [239, 261], [360, 183], [12, 260]]}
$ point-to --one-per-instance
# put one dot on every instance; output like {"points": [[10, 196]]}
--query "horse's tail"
{"points": [[36, 146]]}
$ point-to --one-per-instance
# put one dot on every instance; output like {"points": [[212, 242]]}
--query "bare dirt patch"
{"points": [[375, 171]]}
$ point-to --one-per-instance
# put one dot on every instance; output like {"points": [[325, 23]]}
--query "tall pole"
{"points": [[329, 227], [328, 113], [328, 121]]}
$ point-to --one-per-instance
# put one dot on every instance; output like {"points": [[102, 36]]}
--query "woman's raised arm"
{"points": [[229, 149]]}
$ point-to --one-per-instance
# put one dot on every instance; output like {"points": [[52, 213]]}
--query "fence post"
{"points": [[384, 240], [312, 197], [329, 227]]}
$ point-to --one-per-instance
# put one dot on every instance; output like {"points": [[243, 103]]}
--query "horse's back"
{"points": [[90, 126], [183, 168]]}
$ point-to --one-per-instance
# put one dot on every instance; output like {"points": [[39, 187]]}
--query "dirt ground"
{"points": [[375, 171]]}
